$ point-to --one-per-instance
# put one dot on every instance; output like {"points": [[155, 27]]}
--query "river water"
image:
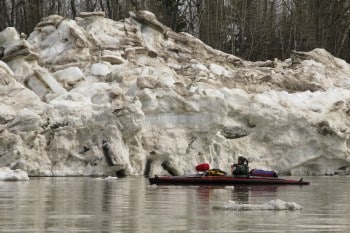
{"points": [[85, 204]]}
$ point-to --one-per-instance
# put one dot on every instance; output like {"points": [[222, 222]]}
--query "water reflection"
{"points": [[239, 193], [132, 205]]}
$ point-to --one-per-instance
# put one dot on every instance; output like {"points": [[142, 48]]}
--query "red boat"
{"points": [[223, 180]]}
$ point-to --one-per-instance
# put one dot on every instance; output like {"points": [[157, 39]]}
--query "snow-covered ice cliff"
{"points": [[93, 96]]}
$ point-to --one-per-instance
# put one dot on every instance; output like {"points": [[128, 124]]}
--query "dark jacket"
{"points": [[241, 170]]}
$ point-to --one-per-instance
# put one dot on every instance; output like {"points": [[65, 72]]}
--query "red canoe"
{"points": [[223, 180]]}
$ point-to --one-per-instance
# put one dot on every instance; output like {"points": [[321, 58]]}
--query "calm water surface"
{"points": [[132, 205]]}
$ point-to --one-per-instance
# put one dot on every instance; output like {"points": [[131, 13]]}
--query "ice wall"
{"points": [[92, 96]]}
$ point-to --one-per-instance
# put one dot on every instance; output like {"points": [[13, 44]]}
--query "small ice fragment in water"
{"points": [[269, 205]]}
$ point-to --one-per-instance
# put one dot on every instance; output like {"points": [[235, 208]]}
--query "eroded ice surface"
{"points": [[93, 96]]}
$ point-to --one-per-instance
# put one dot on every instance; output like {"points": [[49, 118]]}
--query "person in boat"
{"points": [[241, 167]]}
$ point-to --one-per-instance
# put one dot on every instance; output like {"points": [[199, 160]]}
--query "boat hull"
{"points": [[223, 180]]}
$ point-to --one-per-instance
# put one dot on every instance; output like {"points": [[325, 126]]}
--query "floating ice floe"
{"points": [[107, 178], [111, 178], [6, 174], [269, 205]]}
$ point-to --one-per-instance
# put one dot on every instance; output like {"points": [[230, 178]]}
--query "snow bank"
{"points": [[269, 205], [6, 174]]}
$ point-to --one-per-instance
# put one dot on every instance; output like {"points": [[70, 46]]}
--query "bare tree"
{"points": [[251, 29]]}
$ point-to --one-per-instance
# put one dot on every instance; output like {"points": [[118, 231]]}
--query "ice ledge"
{"points": [[6, 174]]}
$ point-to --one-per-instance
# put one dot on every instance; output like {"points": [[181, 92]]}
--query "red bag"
{"points": [[202, 167]]}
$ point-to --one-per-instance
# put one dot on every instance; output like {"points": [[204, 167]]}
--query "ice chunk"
{"points": [[69, 75], [50, 81], [99, 69], [218, 70], [6, 174], [269, 205], [4, 67], [8, 38]]}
